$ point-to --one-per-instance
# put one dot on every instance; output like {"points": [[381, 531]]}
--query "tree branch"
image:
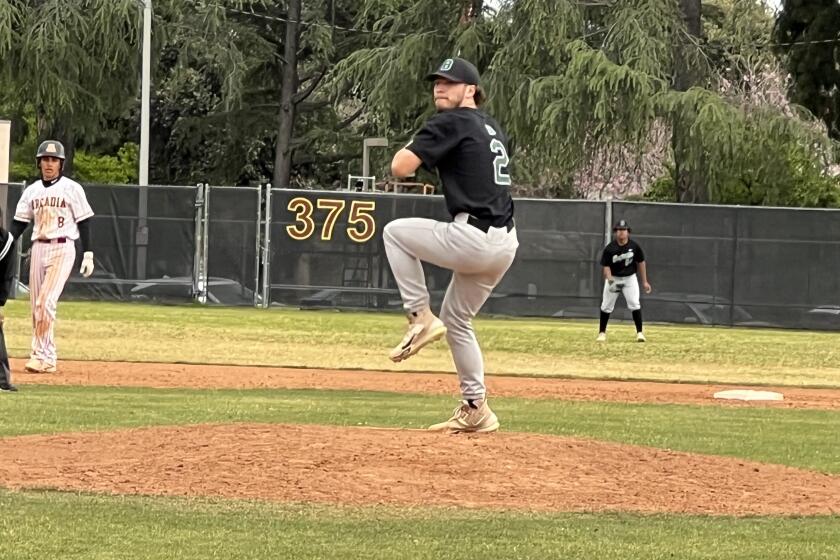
{"points": [[349, 120], [317, 73], [311, 106], [301, 95], [303, 159]]}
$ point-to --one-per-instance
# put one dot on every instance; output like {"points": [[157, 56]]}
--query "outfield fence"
{"points": [[263, 246]]}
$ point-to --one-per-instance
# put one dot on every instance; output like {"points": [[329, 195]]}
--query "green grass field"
{"points": [[49, 524], [69, 526], [799, 438], [329, 339]]}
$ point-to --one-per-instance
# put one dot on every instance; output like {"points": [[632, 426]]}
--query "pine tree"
{"points": [[814, 65], [71, 63], [571, 83]]}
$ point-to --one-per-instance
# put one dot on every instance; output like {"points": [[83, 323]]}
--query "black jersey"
{"points": [[622, 259], [470, 151]]}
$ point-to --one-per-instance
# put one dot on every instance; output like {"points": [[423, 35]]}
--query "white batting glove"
{"points": [[87, 264]]}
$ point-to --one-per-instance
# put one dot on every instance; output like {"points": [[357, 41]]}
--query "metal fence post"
{"points": [[199, 288], [141, 234], [733, 270], [205, 257], [608, 218], [258, 249], [266, 271]]}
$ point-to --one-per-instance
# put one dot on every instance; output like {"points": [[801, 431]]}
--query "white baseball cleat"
{"points": [[602, 337], [38, 366], [33, 365], [47, 367], [477, 418], [640, 337], [423, 329]]}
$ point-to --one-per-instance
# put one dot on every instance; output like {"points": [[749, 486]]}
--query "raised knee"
{"points": [[389, 231]]}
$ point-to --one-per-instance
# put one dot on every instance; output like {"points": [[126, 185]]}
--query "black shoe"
{"points": [[7, 387]]}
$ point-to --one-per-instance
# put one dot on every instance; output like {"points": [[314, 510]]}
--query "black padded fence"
{"points": [[319, 264], [739, 266], [317, 261], [232, 229], [128, 266], [711, 265]]}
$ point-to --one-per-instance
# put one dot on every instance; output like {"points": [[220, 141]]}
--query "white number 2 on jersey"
{"points": [[500, 162]]}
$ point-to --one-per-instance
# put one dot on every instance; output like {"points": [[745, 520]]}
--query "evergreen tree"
{"points": [[814, 65], [570, 83], [71, 63], [241, 97]]}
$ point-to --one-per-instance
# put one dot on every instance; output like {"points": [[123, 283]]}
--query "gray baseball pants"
{"points": [[627, 285], [478, 262]]}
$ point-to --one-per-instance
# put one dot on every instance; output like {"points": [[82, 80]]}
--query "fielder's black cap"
{"points": [[456, 70], [621, 224]]}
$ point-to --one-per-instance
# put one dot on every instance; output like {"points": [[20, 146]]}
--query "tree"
{"points": [[72, 64], [814, 65], [573, 84], [690, 181], [240, 94]]}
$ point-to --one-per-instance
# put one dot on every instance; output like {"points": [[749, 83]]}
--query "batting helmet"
{"points": [[52, 148], [621, 224]]}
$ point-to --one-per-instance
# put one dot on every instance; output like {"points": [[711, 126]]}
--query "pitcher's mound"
{"points": [[374, 466]]}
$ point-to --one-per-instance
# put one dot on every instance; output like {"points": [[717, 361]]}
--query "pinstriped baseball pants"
{"points": [[49, 268]]}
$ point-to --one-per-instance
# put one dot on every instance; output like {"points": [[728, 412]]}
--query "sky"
{"points": [[775, 4]]}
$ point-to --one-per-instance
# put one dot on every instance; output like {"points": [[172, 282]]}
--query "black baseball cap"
{"points": [[621, 224], [456, 70]]}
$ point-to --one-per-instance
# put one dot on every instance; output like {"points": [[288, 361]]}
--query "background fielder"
{"points": [[469, 150], [60, 214], [620, 260]]}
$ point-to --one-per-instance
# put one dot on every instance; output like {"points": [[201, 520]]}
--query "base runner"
{"points": [[60, 214]]}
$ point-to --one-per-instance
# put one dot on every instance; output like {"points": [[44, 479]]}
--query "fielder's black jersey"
{"points": [[470, 151], [622, 259]]}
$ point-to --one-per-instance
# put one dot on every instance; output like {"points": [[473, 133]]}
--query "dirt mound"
{"points": [[240, 377], [362, 466]]}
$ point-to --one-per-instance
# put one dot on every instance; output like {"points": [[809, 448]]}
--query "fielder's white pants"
{"points": [[627, 285], [478, 261], [50, 265]]}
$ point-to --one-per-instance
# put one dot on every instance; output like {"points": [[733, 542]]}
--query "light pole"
{"points": [[141, 237], [145, 93]]}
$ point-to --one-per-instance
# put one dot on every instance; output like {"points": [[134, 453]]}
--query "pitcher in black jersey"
{"points": [[621, 259], [470, 152]]}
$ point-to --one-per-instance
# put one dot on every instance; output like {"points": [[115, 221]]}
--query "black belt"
{"points": [[485, 225], [56, 240]]}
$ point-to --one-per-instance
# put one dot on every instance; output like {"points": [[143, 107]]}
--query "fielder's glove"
{"points": [[87, 264]]}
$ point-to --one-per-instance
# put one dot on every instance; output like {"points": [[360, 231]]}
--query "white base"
{"points": [[749, 395]]}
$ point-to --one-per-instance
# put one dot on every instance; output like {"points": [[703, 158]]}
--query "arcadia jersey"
{"points": [[54, 208], [622, 259]]}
